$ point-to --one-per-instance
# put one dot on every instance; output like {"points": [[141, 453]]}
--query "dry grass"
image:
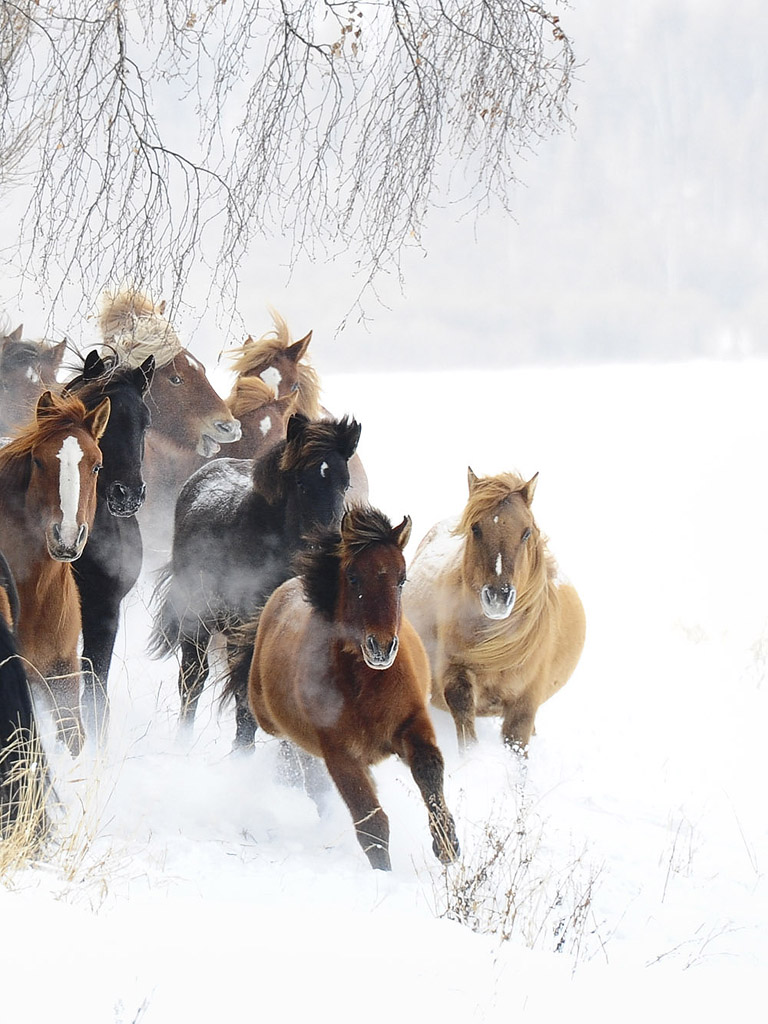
{"points": [[505, 885], [25, 821]]}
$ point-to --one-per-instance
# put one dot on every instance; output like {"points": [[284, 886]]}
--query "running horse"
{"points": [[27, 368], [503, 630], [48, 477], [281, 364], [189, 420], [337, 669]]}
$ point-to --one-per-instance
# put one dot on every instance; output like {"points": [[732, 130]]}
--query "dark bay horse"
{"points": [[281, 364], [338, 670], [111, 562], [502, 629], [47, 505], [22, 759], [189, 420], [27, 368], [238, 525]]}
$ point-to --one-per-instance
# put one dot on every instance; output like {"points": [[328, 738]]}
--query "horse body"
{"points": [[238, 525], [190, 421], [26, 369], [47, 506], [502, 630], [336, 669], [111, 562]]}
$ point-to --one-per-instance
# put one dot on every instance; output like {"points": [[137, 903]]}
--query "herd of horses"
{"points": [[274, 549]]}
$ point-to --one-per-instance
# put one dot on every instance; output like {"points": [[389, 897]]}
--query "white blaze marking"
{"points": [[323, 469], [33, 375], [272, 377], [265, 426], [69, 456], [498, 564], [495, 519]]}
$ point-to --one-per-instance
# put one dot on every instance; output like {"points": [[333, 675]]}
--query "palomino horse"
{"points": [[47, 504], [239, 524], [111, 561], [22, 760], [281, 364], [27, 368], [338, 670], [502, 630], [189, 420]]}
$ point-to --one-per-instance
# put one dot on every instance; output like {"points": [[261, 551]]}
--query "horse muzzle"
{"points": [[378, 657], [124, 501], [498, 602], [65, 549], [216, 434]]}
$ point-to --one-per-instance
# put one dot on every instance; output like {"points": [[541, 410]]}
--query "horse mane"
{"points": [[248, 395], [514, 640], [488, 493], [253, 357], [133, 327], [63, 413], [328, 551]]}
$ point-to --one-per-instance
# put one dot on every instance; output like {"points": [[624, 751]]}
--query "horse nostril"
{"points": [[82, 535], [372, 646], [56, 531], [119, 492], [228, 429]]}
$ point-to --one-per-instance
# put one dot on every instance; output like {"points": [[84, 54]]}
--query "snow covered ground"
{"points": [[192, 885]]}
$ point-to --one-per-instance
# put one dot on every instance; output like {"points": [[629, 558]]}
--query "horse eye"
{"points": [[175, 380], [97, 469], [476, 531], [38, 463], [525, 536], [295, 386]]}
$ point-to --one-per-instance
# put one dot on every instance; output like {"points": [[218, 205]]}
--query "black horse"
{"points": [[238, 525], [22, 761], [111, 561]]}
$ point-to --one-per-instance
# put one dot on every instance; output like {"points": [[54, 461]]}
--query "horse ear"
{"points": [[471, 479], [296, 351], [45, 401], [97, 419], [147, 370], [53, 356], [349, 438], [16, 336], [528, 490], [296, 425], [94, 365], [401, 534]]}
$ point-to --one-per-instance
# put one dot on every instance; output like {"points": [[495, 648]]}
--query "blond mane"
{"points": [[133, 328], [250, 394], [253, 357], [509, 642]]}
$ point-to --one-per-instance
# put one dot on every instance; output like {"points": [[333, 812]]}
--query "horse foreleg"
{"points": [[100, 625], [459, 695], [517, 726], [354, 783], [245, 723], [192, 676], [64, 686], [423, 757]]}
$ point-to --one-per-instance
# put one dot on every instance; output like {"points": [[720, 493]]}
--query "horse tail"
{"points": [[24, 776], [240, 644], [165, 635]]}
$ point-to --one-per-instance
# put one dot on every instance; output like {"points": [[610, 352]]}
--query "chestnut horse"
{"points": [[189, 420], [338, 670], [47, 504], [27, 368], [263, 417], [502, 630], [281, 364], [22, 759]]}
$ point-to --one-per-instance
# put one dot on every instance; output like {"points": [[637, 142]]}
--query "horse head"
{"points": [[26, 368], [501, 538], [371, 580], [316, 457], [65, 460], [121, 483]]}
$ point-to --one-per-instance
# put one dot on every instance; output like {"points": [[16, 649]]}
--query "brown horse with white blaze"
{"points": [[338, 670], [48, 477], [502, 630]]}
